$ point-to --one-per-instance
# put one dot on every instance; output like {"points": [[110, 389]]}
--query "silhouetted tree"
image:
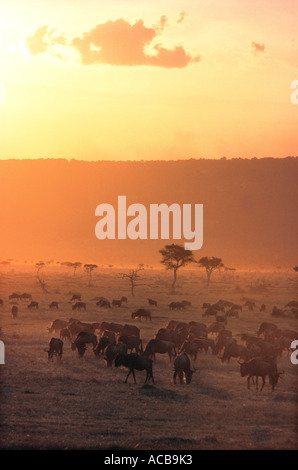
{"points": [[89, 268], [210, 264], [175, 257], [133, 277]]}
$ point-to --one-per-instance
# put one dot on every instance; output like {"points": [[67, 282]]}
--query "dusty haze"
{"points": [[250, 208]]}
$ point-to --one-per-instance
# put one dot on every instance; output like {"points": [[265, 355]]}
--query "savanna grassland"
{"points": [[77, 403]]}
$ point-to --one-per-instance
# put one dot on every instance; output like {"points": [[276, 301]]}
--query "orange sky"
{"points": [[148, 80]]}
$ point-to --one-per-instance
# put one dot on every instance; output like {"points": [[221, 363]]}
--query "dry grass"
{"points": [[80, 404]]}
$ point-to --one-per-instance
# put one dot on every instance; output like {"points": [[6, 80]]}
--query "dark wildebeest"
{"points": [[103, 343], [292, 303], [250, 304], [55, 348], [260, 367], [14, 311], [152, 302], [232, 313], [33, 304], [26, 296], [57, 325], [186, 303], [191, 348], [80, 345], [215, 327], [263, 308], [112, 351], [130, 330], [161, 347], [205, 344], [14, 296], [277, 312], [135, 362], [266, 326], [103, 303], [132, 343], [79, 306], [176, 306], [65, 333], [88, 338], [107, 326], [53, 305], [235, 350], [116, 303], [141, 312], [76, 297], [182, 367], [124, 299]]}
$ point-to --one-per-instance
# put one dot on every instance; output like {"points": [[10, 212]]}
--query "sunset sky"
{"points": [[143, 80]]}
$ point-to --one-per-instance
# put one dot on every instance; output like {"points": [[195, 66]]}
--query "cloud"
{"points": [[257, 47], [43, 39], [182, 16], [116, 43]]}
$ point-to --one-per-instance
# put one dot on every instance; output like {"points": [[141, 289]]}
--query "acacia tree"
{"points": [[210, 264], [175, 257], [89, 268], [133, 277]]}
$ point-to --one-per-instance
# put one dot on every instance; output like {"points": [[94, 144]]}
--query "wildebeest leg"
{"points": [[174, 376], [248, 381], [181, 377], [130, 371], [263, 378]]}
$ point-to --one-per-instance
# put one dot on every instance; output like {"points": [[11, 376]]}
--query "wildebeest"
{"points": [[132, 343], [250, 304], [26, 296], [57, 325], [191, 348], [235, 350], [112, 351], [103, 303], [76, 327], [161, 347], [135, 362], [152, 302], [53, 305], [205, 344], [116, 303], [79, 306], [103, 343], [80, 345], [141, 312], [263, 308], [260, 367], [88, 337], [55, 348], [215, 327], [277, 312], [1, 303], [14, 311], [130, 330], [14, 296], [65, 334], [176, 306], [292, 303], [76, 297], [33, 304], [123, 299], [107, 326], [232, 313], [182, 367], [266, 326], [186, 303]]}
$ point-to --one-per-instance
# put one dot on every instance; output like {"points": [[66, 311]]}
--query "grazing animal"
{"points": [[191, 348], [235, 350], [260, 367], [33, 304], [135, 362], [57, 325], [141, 312], [266, 326], [116, 303], [88, 337], [292, 303], [76, 327], [65, 334], [233, 313], [130, 330], [176, 306], [80, 345], [263, 308], [205, 344], [215, 327], [103, 343], [55, 348], [123, 299], [106, 326], [132, 343], [77, 297], [182, 368], [161, 347], [14, 296], [103, 303], [14, 311], [26, 296], [112, 351], [53, 305], [152, 302], [79, 306]]}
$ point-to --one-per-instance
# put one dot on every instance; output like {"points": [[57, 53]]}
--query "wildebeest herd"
{"points": [[122, 345]]}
